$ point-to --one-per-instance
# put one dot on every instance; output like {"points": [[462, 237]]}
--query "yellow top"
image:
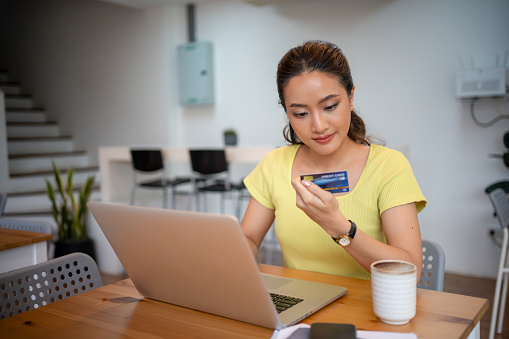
{"points": [[386, 181]]}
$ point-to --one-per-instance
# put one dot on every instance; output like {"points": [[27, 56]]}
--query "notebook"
{"points": [[202, 261]]}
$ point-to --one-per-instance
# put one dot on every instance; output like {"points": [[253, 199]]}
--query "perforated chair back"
{"points": [[53, 280], [209, 161], [500, 203], [3, 200], [147, 160], [30, 226], [433, 266]]}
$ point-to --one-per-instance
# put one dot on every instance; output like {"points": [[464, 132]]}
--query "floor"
{"points": [[476, 287]]}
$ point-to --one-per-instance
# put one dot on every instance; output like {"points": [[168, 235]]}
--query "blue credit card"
{"points": [[334, 182]]}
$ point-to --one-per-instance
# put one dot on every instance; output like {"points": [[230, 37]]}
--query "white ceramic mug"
{"points": [[394, 290]]}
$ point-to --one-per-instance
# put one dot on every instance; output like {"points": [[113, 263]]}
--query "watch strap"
{"points": [[351, 233]]}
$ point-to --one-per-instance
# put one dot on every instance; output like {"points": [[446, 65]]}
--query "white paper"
{"points": [[384, 335], [286, 332]]}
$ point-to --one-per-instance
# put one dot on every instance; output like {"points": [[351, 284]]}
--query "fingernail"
{"points": [[306, 183]]}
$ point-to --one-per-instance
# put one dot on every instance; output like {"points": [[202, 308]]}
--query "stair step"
{"points": [[30, 123], [23, 110], [18, 101], [25, 116], [33, 143], [10, 87], [36, 203], [18, 96], [63, 170], [47, 155], [34, 181], [41, 129], [43, 163], [76, 188], [33, 139], [39, 145]]}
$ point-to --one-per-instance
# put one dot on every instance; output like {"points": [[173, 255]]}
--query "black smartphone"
{"points": [[332, 331]]}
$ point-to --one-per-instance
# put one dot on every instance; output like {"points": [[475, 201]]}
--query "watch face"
{"points": [[344, 241]]}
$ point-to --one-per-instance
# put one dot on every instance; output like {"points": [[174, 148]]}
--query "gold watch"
{"points": [[346, 239]]}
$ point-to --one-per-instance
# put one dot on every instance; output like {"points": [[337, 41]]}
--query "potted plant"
{"points": [[230, 137], [69, 210]]}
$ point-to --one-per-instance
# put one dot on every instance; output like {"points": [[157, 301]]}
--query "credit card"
{"points": [[334, 182]]}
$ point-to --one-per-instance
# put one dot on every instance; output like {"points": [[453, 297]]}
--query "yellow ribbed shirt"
{"points": [[386, 181]]}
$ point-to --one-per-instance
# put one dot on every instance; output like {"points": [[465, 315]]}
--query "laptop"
{"points": [[202, 261]]}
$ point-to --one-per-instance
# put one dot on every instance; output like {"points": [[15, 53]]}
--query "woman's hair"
{"points": [[324, 57]]}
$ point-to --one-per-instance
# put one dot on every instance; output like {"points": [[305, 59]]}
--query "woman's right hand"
{"points": [[321, 207]]}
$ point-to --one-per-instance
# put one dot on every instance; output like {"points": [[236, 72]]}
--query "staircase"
{"points": [[33, 143]]}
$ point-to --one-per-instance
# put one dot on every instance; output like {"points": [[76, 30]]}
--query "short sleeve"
{"points": [[398, 185], [259, 181]]}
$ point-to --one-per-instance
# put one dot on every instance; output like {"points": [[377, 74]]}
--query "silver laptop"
{"points": [[202, 261]]}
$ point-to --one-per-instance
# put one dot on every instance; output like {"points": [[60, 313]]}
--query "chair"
{"points": [[498, 198], [499, 184], [210, 173], [3, 200], [53, 280], [433, 266], [30, 226], [145, 162]]}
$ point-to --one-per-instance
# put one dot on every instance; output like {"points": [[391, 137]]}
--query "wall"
{"points": [[404, 56], [108, 73], [101, 70]]}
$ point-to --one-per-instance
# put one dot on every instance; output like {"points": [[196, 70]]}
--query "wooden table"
{"points": [[118, 311], [21, 248]]}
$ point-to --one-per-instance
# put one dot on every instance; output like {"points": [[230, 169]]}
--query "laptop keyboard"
{"points": [[284, 302]]}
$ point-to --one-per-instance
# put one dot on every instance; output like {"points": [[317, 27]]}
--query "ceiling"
{"points": [[145, 4]]}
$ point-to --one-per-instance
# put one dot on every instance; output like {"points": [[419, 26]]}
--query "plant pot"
{"points": [[230, 139], [64, 247]]}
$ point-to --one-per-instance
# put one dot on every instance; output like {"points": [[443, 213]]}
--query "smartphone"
{"points": [[332, 331]]}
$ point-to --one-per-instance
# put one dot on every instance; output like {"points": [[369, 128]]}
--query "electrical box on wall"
{"points": [[196, 76], [481, 82]]}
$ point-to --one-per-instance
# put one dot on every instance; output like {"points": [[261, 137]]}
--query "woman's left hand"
{"points": [[320, 206]]}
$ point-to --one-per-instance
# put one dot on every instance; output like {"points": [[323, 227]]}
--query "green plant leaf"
{"points": [[58, 180], [54, 207], [70, 211]]}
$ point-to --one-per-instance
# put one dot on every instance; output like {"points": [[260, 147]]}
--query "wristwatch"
{"points": [[346, 239]]}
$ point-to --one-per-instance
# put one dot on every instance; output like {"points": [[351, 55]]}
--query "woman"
{"points": [[376, 219]]}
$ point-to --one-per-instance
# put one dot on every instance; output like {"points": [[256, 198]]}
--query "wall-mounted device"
{"points": [[481, 82], [196, 76], [195, 67]]}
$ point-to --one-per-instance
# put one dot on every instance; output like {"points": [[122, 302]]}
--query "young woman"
{"points": [[335, 233]]}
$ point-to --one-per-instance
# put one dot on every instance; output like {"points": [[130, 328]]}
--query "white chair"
{"points": [[50, 281], [500, 203], [433, 266]]}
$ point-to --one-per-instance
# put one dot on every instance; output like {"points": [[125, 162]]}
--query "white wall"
{"points": [[107, 72], [404, 56], [101, 70]]}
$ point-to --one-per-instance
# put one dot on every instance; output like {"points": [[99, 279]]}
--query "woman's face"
{"points": [[318, 108]]}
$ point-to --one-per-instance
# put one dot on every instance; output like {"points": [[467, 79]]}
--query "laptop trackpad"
{"points": [[273, 282]]}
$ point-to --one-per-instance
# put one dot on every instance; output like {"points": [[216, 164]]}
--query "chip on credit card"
{"points": [[334, 182]]}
